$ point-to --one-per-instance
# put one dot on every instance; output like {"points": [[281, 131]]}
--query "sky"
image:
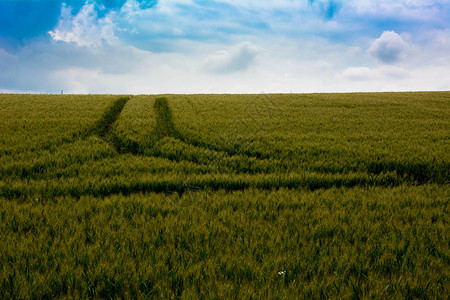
{"points": [[223, 46]]}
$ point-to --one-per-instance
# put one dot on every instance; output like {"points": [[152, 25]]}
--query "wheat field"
{"points": [[225, 196]]}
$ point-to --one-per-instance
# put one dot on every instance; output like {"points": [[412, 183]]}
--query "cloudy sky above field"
{"points": [[224, 46]]}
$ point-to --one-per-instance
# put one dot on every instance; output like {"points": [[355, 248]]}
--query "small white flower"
{"points": [[281, 273]]}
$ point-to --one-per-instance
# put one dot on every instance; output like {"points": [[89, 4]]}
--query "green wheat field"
{"points": [[275, 196]]}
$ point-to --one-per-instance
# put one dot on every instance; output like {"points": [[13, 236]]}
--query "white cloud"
{"points": [[389, 47], [411, 9], [178, 46], [5, 56], [85, 28], [238, 59], [384, 73], [279, 68], [357, 73]]}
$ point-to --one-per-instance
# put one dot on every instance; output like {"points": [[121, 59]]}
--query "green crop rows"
{"points": [[225, 196]]}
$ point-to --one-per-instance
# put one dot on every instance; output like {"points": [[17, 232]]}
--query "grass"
{"points": [[225, 196], [373, 242]]}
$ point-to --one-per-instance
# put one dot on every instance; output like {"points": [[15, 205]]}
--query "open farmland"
{"points": [[225, 196]]}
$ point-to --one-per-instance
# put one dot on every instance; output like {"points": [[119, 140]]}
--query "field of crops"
{"points": [[225, 196]]}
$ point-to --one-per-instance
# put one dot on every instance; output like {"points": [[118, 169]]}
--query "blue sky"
{"points": [[227, 46]]}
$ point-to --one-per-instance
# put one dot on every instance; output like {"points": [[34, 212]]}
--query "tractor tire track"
{"points": [[103, 127], [165, 127], [103, 130], [164, 120]]}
